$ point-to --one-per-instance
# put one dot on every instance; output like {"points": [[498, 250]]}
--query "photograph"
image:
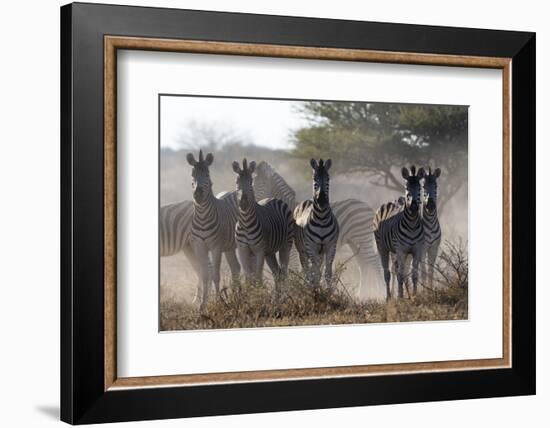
{"points": [[287, 212]]}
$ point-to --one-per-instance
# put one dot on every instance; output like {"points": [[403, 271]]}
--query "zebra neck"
{"points": [[321, 215], [430, 218], [205, 210], [248, 217], [411, 218]]}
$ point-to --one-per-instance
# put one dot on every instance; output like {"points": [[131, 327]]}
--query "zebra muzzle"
{"points": [[198, 194], [430, 205]]}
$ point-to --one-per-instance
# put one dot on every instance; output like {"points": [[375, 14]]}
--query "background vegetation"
{"points": [[377, 139]]}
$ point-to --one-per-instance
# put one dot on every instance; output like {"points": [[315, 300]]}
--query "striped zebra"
{"points": [[354, 217], [399, 231], [432, 229], [317, 228], [263, 229], [212, 226], [175, 231], [175, 228]]}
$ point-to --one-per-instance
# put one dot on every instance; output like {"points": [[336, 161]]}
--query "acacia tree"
{"points": [[378, 139]]}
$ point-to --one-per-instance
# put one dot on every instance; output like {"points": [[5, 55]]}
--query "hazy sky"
{"points": [[265, 123]]}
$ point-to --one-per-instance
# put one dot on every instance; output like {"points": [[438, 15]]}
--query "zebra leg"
{"points": [[385, 261], [294, 262], [394, 273], [415, 262], [300, 248], [360, 264], [369, 268], [304, 261], [259, 267], [284, 258], [314, 276], [245, 257], [234, 266], [188, 251], [329, 260], [271, 260], [400, 258], [216, 262], [406, 274], [204, 262]]}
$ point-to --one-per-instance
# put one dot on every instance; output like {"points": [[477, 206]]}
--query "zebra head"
{"points": [[263, 181], [321, 181], [201, 183], [412, 187], [244, 183], [430, 189]]}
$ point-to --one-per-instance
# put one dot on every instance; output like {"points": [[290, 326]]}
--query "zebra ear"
{"points": [[313, 163], [191, 159], [437, 172], [420, 173], [209, 159], [251, 166], [236, 167], [328, 164], [405, 173]]}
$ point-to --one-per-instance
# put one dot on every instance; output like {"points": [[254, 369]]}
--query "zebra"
{"points": [[354, 218], [212, 226], [263, 229], [317, 229], [174, 228], [175, 231], [399, 231], [432, 229]]}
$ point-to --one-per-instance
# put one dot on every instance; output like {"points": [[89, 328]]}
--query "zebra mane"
{"points": [[265, 168], [390, 209], [281, 186], [387, 211]]}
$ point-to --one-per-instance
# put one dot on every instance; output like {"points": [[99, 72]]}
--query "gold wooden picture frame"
{"points": [[114, 43]]}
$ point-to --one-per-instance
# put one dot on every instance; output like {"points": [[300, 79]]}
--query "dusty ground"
{"points": [[249, 306]]}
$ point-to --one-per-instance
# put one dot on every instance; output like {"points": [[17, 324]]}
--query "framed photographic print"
{"points": [[265, 213]]}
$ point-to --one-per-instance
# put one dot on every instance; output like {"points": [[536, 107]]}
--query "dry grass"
{"points": [[249, 306]]}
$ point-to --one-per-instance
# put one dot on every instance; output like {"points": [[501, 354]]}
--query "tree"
{"points": [[208, 136], [378, 139]]}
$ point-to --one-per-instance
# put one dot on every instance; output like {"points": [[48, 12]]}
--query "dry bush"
{"points": [[450, 284], [248, 306]]}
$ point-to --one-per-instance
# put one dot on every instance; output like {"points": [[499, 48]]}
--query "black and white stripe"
{"points": [[399, 231], [432, 229], [175, 221], [175, 227], [264, 229], [175, 233], [317, 229], [355, 219], [212, 226]]}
